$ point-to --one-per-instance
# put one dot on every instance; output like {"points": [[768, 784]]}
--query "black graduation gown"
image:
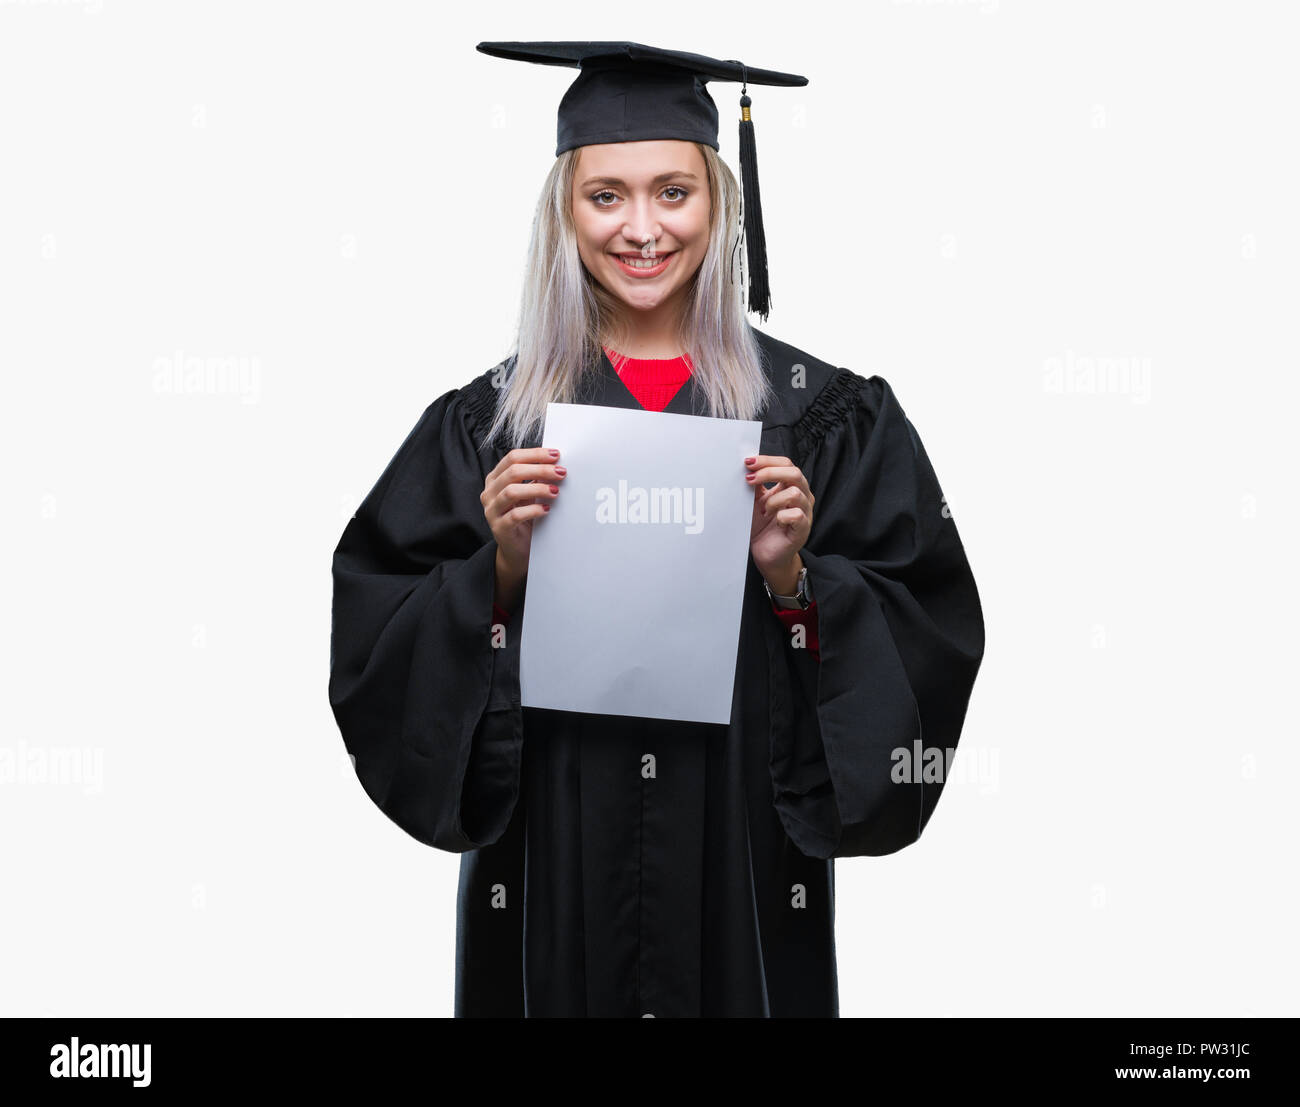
{"points": [[589, 887]]}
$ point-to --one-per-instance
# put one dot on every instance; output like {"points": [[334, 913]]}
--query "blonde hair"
{"points": [[564, 313]]}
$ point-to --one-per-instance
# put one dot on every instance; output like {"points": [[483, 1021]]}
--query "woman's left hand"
{"points": [[782, 515]]}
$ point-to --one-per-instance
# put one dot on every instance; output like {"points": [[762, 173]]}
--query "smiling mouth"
{"points": [[635, 263]]}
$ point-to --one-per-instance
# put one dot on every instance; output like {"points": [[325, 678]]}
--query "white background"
{"points": [[964, 195]]}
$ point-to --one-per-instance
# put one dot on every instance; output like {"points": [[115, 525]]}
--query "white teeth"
{"points": [[642, 263]]}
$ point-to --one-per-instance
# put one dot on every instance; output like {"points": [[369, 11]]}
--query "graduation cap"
{"points": [[627, 92]]}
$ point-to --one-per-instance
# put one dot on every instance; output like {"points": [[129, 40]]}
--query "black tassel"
{"points": [[751, 207]]}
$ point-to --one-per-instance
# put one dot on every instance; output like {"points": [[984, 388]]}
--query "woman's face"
{"points": [[626, 192]]}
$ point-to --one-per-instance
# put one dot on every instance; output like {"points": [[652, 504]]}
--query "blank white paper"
{"points": [[636, 575]]}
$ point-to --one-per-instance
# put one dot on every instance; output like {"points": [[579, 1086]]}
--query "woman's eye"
{"points": [[596, 197]]}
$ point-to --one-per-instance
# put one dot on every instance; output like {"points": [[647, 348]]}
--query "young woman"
{"points": [[704, 886]]}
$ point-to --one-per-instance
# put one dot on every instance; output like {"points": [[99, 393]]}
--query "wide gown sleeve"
{"points": [[901, 635], [424, 693]]}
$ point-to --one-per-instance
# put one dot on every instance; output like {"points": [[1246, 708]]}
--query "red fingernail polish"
{"points": [[749, 461]]}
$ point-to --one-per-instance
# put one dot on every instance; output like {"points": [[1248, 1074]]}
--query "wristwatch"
{"points": [[802, 598]]}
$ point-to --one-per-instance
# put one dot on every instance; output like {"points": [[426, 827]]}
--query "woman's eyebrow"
{"points": [[616, 181]]}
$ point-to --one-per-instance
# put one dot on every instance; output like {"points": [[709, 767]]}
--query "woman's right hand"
{"points": [[512, 498]]}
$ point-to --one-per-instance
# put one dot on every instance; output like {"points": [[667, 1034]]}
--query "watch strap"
{"points": [[802, 598]]}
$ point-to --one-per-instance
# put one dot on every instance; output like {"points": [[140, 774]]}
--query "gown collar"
{"points": [[785, 410], [612, 392]]}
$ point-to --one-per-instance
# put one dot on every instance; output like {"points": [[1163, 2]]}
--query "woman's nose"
{"points": [[642, 232]]}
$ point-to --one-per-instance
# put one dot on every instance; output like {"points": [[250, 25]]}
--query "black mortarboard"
{"points": [[630, 93]]}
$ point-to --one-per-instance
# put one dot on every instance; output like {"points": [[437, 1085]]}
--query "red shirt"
{"points": [[654, 382]]}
